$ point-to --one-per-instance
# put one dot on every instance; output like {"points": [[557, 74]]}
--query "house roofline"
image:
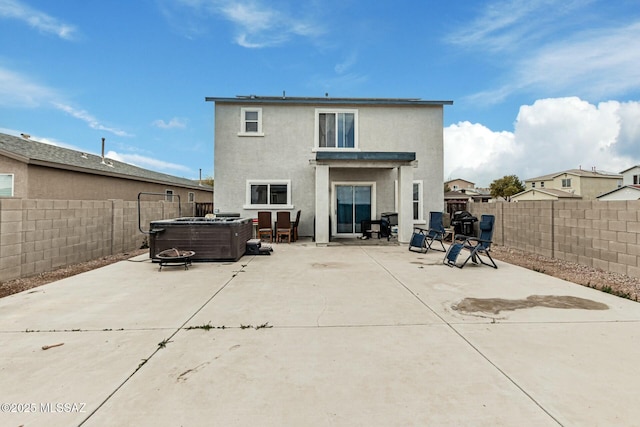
{"points": [[254, 99], [632, 187]]}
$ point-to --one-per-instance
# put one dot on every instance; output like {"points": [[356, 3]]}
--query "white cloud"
{"points": [[87, 118], [14, 9], [543, 51], [175, 122], [18, 91], [602, 63], [257, 24], [146, 162], [549, 136]]}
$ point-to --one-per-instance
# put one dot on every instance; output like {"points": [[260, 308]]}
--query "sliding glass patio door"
{"points": [[353, 204]]}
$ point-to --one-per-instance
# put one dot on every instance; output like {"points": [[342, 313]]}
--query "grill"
{"points": [[462, 222]]}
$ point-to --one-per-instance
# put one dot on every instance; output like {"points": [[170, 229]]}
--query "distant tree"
{"points": [[208, 181], [506, 187], [447, 188]]}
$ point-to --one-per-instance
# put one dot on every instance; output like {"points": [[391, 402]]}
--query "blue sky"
{"points": [[538, 86]]}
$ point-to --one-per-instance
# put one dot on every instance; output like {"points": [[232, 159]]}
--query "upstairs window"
{"points": [[168, 195], [337, 129], [636, 179], [251, 123], [541, 184], [566, 183], [6, 185], [533, 185]]}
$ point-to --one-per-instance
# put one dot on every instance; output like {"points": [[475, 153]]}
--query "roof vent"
{"points": [[84, 156], [25, 135]]}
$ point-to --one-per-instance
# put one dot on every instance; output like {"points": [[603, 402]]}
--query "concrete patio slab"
{"points": [[340, 335]]}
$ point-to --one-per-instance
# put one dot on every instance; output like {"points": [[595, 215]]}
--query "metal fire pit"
{"points": [[175, 257]]}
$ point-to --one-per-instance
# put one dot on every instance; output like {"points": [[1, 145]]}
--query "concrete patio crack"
{"points": [[162, 345], [459, 334]]}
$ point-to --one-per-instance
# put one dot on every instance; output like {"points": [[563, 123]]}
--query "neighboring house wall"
{"points": [[631, 176], [460, 184], [625, 193], [20, 176], [284, 152], [586, 184], [51, 183], [591, 188]]}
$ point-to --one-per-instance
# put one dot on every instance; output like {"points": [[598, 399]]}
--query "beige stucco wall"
{"points": [[20, 178], [593, 187], [51, 183], [460, 184], [287, 147]]}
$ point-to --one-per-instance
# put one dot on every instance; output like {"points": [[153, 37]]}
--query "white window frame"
{"points": [[268, 182], [243, 121], [420, 182], [566, 182], [12, 179], [533, 185], [168, 195], [541, 184], [420, 202], [316, 137]]}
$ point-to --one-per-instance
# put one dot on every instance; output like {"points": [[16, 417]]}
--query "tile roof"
{"points": [[38, 153]]}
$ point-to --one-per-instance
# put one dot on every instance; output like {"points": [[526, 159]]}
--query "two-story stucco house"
{"points": [[569, 184], [337, 160]]}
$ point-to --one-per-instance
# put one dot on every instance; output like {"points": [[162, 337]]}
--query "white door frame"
{"points": [[334, 207]]}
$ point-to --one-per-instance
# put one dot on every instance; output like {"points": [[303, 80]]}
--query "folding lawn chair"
{"points": [[478, 247], [436, 231]]}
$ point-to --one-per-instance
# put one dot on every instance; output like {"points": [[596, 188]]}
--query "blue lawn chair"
{"points": [[423, 239], [479, 247]]}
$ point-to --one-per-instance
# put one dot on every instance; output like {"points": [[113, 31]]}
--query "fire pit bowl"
{"points": [[174, 256]]}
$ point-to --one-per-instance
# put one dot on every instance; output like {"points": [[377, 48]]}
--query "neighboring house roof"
{"points": [[455, 195], [576, 172], [326, 100], [632, 188], [551, 192], [628, 169], [37, 153]]}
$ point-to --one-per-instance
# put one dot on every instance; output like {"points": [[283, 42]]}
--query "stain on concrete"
{"points": [[185, 375], [327, 265], [496, 305]]}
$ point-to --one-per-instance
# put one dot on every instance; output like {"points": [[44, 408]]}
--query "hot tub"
{"points": [[212, 239]]}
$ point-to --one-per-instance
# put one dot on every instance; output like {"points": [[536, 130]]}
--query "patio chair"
{"points": [[479, 247], [283, 226], [294, 227], [423, 239], [436, 232], [418, 242], [265, 227]]}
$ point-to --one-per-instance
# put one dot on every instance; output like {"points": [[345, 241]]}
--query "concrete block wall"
{"points": [[595, 233], [41, 235]]}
